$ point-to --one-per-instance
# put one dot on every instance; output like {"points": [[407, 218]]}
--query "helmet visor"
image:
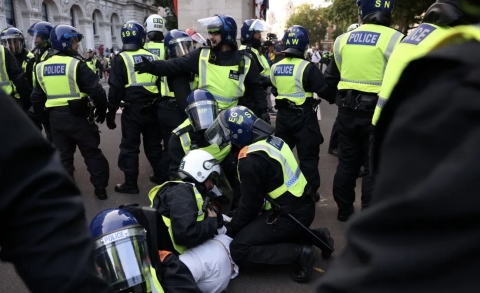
{"points": [[76, 45], [202, 114], [13, 43], [222, 191], [38, 41], [198, 38], [212, 25], [260, 26], [217, 133], [121, 258], [181, 47]]}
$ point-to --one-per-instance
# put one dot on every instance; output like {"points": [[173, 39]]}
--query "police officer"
{"points": [[92, 61], [42, 212], [139, 117], [12, 78], [65, 85], [185, 211], [437, 22], [267, 170], [224, 71], [295, 80], [361, 56]]}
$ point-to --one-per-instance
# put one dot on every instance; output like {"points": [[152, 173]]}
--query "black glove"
{"points": [[145, 66], [266, 117], [111, 119], [100, 115]]}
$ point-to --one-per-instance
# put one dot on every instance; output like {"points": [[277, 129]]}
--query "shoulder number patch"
{"points": [[243, 153]]}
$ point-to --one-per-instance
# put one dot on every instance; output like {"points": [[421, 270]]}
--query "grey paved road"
{"points": [[275, 279]]}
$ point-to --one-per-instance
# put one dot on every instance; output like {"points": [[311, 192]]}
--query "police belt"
{"points": [[351, 101], [170, 102], [299, 203], [308, 105]]}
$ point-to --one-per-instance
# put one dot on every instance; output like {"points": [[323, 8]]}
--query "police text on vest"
{"points": [[419, 34], [284, 70], [54, 69], [363, 38]]}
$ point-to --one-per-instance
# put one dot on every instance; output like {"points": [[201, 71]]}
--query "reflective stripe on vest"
{"points": [[146, 80], [199, 199], [216, 79], [53, 77], [261, 59], [24, 69], [287, 77], [362, 56], [277, 149], [158, 49], [214, 150], [153, 284], [416, 45], [5, 83]]}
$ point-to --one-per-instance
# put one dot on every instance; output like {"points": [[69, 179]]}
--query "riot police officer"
{"points": [[65, 85], [141, 94], [438, 20], [295, 80], [360, 59], [269, 175], [227, 73], [92, 61], [12, 79]]}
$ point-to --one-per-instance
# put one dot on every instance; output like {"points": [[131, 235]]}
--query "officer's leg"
{"points": [[260, 244], [152, 145], [129, 149], [348, 168], [87, 138], [367, 180], [333, 147], [283, 126], [308, 139], [61, 122]]}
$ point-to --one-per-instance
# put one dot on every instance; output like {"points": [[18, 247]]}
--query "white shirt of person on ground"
{"points": [[210, 263], [316, 57]]}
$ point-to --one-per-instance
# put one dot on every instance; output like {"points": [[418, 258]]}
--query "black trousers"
{"points": [[169, 118], [260, 243], [334, 136], [134, 126], [70, 131], [353, 152], [303, 132]]}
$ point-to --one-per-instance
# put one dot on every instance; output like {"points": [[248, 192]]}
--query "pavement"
{"points": [[272, 279]]}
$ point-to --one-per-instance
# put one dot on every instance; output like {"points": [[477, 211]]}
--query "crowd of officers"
{"points": [[226, 116]]}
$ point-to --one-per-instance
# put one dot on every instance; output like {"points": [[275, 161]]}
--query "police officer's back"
{"points": [[223, 70], [438, 20], [140, 94], [295, 80], [357, 71], [64, 86], [92, 61]]}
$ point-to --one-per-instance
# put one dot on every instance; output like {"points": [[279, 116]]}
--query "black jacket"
{"points": [[180, 86], [177, 202], [44, 231], [259, 174], [422, 231], [29, 69], [117, 80], [87, 82], [254, 97], [15, 74]]}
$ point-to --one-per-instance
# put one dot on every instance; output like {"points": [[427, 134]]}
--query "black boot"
{"points": [[127, 187], [158, 179], [345, 213], [304, 264], [324, 235], [333, 151], [101, 193]]}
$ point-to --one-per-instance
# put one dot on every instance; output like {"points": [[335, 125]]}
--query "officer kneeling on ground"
{"points": [[268, 171], [183, 205]]}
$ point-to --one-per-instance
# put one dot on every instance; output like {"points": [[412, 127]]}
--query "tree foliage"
{"points": [[171, 20], [313, 19]]}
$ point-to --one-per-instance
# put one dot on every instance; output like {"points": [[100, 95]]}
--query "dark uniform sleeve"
{"points": [[180, 86], [15, 73], [29, 71], [44, 231], [314, 81], [87, 82], [252, 181], [332, 75], [39, 98], [176, 153], [177, 278], [176, 66], [116, 81], [183, 214], [421, 233], [255, 97]]}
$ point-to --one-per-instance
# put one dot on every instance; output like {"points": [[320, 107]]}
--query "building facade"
{"points": [[99, 21]]}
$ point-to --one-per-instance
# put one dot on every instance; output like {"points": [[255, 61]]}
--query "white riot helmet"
{"points": [[155, 26], [353, 27], [198, 165]]}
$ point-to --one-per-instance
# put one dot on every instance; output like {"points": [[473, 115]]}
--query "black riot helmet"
{"points": [[450, 13]]}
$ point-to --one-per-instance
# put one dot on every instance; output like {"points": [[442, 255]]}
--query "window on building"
{"points": [[9, 13], [44, 12], [111, 26], [94, 24], [72, 17]]}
